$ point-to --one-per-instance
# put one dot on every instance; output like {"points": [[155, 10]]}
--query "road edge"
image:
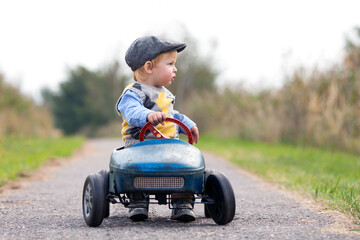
{"points": [[342, 223], [46, 170]]}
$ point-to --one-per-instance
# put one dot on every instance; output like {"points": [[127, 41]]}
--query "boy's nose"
{"points": [[175, 69]]}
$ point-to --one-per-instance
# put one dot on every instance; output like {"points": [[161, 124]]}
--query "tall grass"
{"points": [[20, 116], [314, 107], [27, 134]]}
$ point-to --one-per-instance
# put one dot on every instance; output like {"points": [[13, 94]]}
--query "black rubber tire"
{"points": [[105, 178], [93, 200], [218, 187], [207, 173], [206, 212]]}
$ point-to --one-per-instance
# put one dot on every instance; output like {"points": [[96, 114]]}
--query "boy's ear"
{"points": [[148, 67]]}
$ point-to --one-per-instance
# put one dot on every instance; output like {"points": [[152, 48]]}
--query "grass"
{"points": [[21, 155], [328, 175]]}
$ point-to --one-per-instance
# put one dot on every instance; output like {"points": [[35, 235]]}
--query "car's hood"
{"points": [[160, 155]]}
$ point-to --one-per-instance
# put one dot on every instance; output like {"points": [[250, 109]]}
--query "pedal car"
{"points": [[157, 168]]}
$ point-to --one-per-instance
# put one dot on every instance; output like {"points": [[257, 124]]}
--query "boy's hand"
{"points": [[157, 117], [195, 132]]}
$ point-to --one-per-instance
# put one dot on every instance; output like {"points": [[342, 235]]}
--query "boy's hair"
{"points": [[140, 72]]}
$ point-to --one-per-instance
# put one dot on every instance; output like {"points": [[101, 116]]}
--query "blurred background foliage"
{"points": [[314, 107], [85, 102], [20, 116]]}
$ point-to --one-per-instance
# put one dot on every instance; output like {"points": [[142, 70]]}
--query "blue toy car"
{"points": [[157, 168]]}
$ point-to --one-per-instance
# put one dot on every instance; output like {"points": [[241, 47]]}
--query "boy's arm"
{"points": [[184, 119], [132, 109], [189, 123]]}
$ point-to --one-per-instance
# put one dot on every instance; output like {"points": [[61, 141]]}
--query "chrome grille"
{"points": [[158, 182]]}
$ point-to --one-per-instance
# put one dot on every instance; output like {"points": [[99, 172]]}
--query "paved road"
{"points": [[51, 209]]}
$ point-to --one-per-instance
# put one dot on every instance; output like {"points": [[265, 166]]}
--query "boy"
{"points": [[147, 100]]}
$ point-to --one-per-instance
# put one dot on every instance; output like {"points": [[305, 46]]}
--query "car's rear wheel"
{"points": [[93, 200], [218, 188]]}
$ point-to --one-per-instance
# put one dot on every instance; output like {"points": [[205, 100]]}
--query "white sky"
{"points": [[258, 40]]}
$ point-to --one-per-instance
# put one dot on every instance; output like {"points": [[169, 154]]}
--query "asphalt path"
{"points": [[51, 208]]}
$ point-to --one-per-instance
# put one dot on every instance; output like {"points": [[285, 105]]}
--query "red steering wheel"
{"points": [[158, 134]]}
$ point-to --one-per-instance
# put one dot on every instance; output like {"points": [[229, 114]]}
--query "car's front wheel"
{"points": [[105, 178], [206, 175], [93, 200], [218, 188]]}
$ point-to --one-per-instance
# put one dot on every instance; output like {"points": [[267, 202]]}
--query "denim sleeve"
{"points": [[185, 120], [132, 109]]}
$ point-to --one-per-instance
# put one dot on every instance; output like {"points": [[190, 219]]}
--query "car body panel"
{"points": [[157, 158]]}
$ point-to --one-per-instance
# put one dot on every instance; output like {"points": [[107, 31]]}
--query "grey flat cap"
{"points": [[147, 48]]}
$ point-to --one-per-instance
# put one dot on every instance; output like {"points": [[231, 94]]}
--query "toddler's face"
{"points": [[164, 71]]}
